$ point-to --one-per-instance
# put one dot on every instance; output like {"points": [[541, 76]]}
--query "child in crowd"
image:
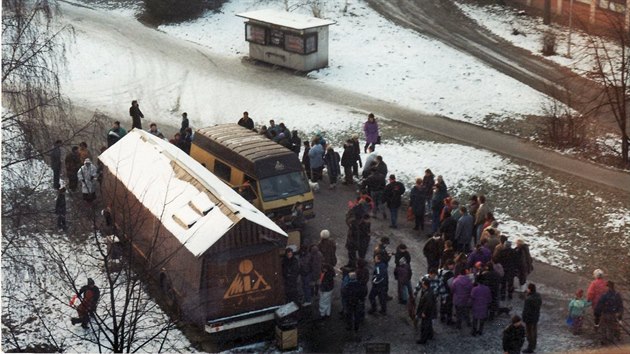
{"points": [[577, 306]]}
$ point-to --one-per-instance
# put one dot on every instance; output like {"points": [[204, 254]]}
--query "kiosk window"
{"points": [[222, 170], [294, 43], [255, 34], [310, 43], [277, 38], [300, 44]]}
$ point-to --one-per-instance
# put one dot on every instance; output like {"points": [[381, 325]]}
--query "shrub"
{"points": [[162, 11]]}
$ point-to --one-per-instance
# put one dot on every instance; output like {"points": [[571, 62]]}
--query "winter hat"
{"points": [[598, 273], [87, 160], [90, 281], [579, 293], [324, 234]]}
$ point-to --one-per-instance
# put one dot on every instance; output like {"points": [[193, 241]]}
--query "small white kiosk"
{"points": [[290, 40]]}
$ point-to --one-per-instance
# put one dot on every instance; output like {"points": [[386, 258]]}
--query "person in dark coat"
{"points": [[514, 336], [392, 197], [364, 235], [440, 193], [481, 297], [348, 160], [115, 133], [448, 226], [331, 158], [89, 295], [60, 209], [73, 163], [380, 280], [427, 182], [306, 161], [531, 315], [525, 264], [425, 312], [55, 163], [403, 273], [609, 309], [296, 143], [507, 257], [185, 123], [290, 273], [432, 250], [353, 295], [445, 275], [246, 121], [357, 155], [417, 202], [136, 115], [352, 242], [326, 288], [328, 248], [447, 253], [492, 280], [375, 184], [464, 231], [187, 139]]}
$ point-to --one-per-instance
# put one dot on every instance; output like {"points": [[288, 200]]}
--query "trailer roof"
{"points": [[286, 19], [178, 190]]}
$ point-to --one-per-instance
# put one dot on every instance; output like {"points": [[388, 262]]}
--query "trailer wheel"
{"points": [[167, 290]]}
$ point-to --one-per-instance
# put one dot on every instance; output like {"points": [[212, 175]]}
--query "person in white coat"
{"points": [[87, 175]]}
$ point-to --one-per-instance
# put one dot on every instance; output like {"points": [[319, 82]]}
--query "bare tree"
{"points": [[611, 71]]}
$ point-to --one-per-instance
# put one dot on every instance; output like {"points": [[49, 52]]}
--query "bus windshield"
{"points": [[284, 186]]}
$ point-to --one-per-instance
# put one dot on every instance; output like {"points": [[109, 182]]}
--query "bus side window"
{"points": [[222, 170]]}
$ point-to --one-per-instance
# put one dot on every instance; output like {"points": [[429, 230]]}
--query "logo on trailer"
{"points": [[279, 166], [247, 281]]}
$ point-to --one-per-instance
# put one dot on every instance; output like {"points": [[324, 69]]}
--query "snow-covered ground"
{"points": [[371, 55], [527, 32], [373, 60]]}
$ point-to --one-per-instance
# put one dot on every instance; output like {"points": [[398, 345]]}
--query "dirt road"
{"points": [[443, 21]]}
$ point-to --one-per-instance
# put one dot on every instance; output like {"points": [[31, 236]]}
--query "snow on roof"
{"points": [[143, 163], [286, 19]]}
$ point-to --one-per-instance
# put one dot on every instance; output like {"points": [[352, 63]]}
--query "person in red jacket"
{"points": [[596, 289]]}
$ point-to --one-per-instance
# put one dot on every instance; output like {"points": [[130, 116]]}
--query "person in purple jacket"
{"points": [[481, 297], [461, 289], [370, 128]]}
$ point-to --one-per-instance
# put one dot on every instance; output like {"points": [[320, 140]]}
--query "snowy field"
{"points": [[371, 55], [91, 81]]}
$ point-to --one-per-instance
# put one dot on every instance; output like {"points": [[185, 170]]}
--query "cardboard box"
{"points": [[287, 339]]}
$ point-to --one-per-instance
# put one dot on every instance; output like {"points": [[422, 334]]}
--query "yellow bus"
{"points": [[267, 174]]}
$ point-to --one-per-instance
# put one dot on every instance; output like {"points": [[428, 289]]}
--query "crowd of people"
{"points": [[473, 270], [471, 266]]}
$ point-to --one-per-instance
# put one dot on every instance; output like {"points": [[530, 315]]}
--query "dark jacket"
{"points": [[296, 143], [448, 228], [402, 254], [60, 204], [393, 193], [332, 163], [524, 263], [464, 230], [433, 248], [290, 271], [513, 338], [327, 281], [531, 308], [418, 199], [375, 182], [348, 157], [246, 123], [426, 304], [403, 273], [89, 295], [328, 248], [610, 302]]}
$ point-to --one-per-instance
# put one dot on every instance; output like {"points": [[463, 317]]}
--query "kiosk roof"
{"points": [[286, 19]]}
